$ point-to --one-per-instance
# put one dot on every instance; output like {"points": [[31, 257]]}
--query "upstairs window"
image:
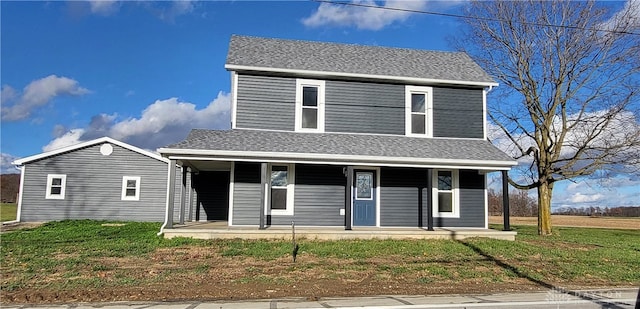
{"points": [[130, 188], [445, 194], [56, 185], [310, 105], [281, 202], [418, 111]]}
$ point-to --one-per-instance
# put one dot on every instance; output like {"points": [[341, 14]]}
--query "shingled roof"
{"points": [[333, 59], [332, 147]]}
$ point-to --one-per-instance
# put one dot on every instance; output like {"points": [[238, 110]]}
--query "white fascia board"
{"points": [[233, 67], [97, 141], [190, 154]]}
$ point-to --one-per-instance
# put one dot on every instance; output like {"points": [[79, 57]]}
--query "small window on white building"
{"points": [[56, 185], [130, 188], [309, 105], [445, 194]]}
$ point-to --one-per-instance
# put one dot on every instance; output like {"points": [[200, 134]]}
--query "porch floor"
{"points": [[221, 230]]}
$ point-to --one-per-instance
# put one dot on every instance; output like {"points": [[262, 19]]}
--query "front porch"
{"points": [[220, 230]]}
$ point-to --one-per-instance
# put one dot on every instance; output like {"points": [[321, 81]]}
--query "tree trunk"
{"points": [[544, 208]]}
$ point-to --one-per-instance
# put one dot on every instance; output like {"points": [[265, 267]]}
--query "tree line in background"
{"points": [[10, 184], [522, 205]]}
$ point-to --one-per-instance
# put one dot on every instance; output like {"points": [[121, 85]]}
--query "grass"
{"points": [[75, 254], [8, 211]]}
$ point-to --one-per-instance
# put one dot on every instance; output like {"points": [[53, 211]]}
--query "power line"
{"points": [[470, 17]]}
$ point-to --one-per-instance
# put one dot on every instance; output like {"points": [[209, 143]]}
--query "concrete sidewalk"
{"points": [[614, 298]]}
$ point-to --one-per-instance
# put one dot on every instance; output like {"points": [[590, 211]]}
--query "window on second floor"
{"points": [[310, 105], [418, 111]]}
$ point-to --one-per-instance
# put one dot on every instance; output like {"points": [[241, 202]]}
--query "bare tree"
{"points": [[570, 79]]}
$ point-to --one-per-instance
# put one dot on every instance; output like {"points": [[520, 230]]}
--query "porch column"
{"points": [[264, 182], [505, 201], [171, 191], [189, 194], [348, 198], [430, 199], [183, 193]]}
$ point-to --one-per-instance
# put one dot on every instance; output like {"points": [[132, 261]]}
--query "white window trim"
{"points": [[124, 188], [428, 92], [320, 84], [291, 172], [63, 184], [455, 199]]}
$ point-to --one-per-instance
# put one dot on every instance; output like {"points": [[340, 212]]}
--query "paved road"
{"points": [[556, 299]]}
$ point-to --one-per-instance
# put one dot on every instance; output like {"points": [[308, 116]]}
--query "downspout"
{"points": [[19, 201], [166, 213]]}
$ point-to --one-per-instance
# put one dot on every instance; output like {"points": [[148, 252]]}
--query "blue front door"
{"points": [[364, 198]]}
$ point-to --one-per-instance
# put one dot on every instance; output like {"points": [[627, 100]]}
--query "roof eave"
{"points": [[97, 141], [258, 156], [233, 67]]}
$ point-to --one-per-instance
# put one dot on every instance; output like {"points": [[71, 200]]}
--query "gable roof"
{"points": [[97, 141], [338, 148], [353, 61]]}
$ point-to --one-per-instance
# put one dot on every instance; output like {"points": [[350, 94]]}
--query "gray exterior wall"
{"points": [[94, 187], [404, 192], [457, 112], [319, 196], [357, 107], [246, 194], [268, 102], [400, 192]]}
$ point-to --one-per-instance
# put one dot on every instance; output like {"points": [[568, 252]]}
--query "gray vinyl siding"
{"points": [[94, 187], [246, 194], [457, 112], [358, 107], [266, 102], [319, 196], [400, 202], [472, 212]]}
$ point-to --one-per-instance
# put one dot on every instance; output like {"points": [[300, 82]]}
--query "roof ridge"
{"points": [[410, 49]]}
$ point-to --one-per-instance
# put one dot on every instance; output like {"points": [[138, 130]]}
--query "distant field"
{"points": [[577, 221], [8, 211]]}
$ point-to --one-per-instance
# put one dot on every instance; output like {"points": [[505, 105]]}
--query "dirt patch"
{"points": [[576, 221], [199, 273], [5, 227]]}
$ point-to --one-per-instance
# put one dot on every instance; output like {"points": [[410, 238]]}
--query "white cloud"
{"points": [[70, 138], [369, 18], [104, 7], [586, 198], [161, 123], [627, 19], [5, 164], [38, 93]]}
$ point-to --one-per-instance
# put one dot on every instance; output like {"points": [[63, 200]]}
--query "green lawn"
{"points": [[8, 212], [72, 255]]}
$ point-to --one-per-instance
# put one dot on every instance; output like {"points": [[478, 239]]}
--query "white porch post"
{"points": [[171, 191], [183, 193]]}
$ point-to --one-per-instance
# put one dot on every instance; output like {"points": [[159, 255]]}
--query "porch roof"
{"points": [[337, 148]]}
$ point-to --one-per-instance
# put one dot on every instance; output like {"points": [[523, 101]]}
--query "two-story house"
{"points": [[338, 135]]}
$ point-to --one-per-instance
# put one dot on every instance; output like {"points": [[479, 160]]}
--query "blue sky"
{"points": [[147, 72]]}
